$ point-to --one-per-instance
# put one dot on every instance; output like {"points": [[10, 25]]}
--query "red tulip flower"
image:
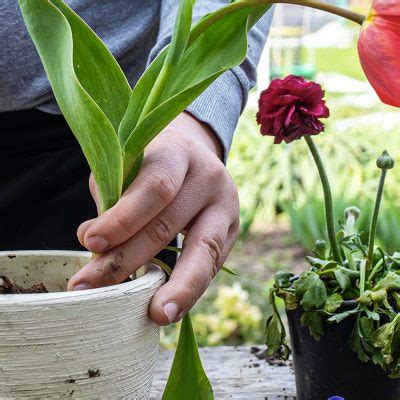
{"points": [[379, 49], [291, 108]]}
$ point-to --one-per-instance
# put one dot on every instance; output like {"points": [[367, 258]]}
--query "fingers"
{"points": [[182, 185], [206, 247], [157, 184], [119, 263]]}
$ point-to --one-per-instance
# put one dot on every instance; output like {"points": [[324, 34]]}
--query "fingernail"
{"points": [[81, 286], [96, 244], [171, 311]]}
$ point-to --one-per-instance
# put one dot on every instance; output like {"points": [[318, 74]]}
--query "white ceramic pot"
{"points": [[92, 344]]}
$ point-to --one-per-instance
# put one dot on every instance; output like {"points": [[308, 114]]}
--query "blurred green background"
{"points": [[282, 211]]}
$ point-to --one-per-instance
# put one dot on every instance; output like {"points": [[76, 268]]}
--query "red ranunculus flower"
{"points": [[379, 49], [290, 108]]}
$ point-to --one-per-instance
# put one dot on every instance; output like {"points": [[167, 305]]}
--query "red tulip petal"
{"points": [[386, 7], [379, 50]]}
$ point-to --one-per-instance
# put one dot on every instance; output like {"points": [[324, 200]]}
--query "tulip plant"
{"points": [[114, 123]]}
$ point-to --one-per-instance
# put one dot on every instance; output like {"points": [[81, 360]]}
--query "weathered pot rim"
{"points": [[152, 276]]}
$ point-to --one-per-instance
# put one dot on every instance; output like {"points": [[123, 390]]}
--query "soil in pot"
{"points": [[329, 367], [38, 276], [8, 287]]}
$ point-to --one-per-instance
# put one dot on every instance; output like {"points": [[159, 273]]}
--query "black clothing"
{"points": [[44, 192]]}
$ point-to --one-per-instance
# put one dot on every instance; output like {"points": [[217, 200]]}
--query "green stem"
{"points": [[349, 231], [202, 25], [374, 222], [375, 270], [162, 265], [328, 200], [341, 12], [272, 301]]}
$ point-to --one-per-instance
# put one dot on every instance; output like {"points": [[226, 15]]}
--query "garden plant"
{"points": [[347, 279], [114, 123]]}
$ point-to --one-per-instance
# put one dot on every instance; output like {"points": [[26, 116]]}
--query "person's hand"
{"points": [[182, 187]]}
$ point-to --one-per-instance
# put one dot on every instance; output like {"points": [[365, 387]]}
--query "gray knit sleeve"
{"points": [[222, 103]]}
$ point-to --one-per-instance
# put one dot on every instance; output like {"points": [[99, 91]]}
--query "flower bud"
{"points": [[385, 161], [320, 248], [352, 211]]}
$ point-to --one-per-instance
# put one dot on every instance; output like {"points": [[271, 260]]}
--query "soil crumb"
{"points": [[8, 287], [273, 361]]}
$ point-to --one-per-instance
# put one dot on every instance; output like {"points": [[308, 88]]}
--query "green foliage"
{"points": [[315, 323], [275, 333], [321, 293], [387, 340], [53, 35], [311, 290], [187, 379], [112, 123], [333, 303], [307, 220]]}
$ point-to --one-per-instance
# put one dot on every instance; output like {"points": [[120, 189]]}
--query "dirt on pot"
{"points": [[8, 287]]}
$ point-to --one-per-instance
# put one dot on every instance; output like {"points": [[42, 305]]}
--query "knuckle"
{"points": [[231, 190], [185, 144], [212, 246], [162, 186], [234, 229], [217, 173], [160, 230]]}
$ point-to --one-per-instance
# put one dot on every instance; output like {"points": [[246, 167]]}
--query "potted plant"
{"points": [[343, 312], [113, 124], [73, 344]]}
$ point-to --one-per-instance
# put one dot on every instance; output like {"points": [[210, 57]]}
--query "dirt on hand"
{"points": [[8, 287]]}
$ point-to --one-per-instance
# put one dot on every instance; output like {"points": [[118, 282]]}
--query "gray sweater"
{"points": [[135, 31]]}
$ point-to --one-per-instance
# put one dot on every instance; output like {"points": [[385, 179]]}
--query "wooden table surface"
{"points": [[235, 373]]}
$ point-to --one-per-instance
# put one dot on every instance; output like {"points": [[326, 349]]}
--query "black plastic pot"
{"points": [[328, 367]]}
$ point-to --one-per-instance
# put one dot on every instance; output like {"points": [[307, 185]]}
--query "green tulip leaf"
{"points": [[214, 46], [96, 68], [54, 41], [187, 379]]}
